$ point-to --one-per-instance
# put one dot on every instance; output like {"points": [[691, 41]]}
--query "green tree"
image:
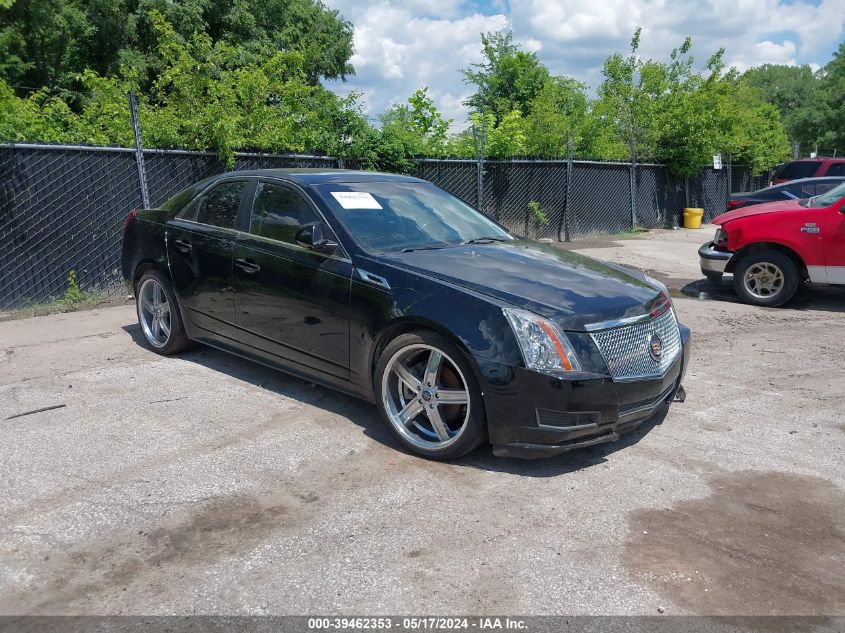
{"points": [[673, 113], [792, 90], [42, 42], [504, 139], [419, 126], [508, 79], [631, 93], [560, 108], [830, 125], [205, 97], [51, 42]]}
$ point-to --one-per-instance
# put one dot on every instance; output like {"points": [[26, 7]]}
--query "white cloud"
{"points": [[402, 45], [768, 52], [399, 48]]}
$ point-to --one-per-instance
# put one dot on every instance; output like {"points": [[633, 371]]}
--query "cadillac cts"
{"points": [[390, 289]]}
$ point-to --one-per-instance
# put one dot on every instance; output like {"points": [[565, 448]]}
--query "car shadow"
{"points": [[808, 297], [366, 416]]}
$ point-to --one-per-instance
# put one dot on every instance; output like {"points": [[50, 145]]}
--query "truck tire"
{"points": [[766, 278]]}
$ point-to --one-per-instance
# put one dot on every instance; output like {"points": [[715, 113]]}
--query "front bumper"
{"points": [[533, 415], [712, 260]]}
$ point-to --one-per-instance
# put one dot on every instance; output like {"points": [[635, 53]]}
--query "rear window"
{"points": [[177, 202], [798, 169]]}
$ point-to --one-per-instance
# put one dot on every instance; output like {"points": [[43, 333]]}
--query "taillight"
{"points": [[132, 215], [733, 204]]}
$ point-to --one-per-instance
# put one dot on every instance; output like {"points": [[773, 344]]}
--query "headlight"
{"points": [[544, 347], [721, 238]]}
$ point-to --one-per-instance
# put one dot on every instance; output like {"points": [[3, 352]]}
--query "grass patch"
{"points": [[633, 231], [73, 300]]}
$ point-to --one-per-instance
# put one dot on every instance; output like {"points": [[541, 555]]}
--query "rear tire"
{"points": [[767, 278], [428, 397], [158, 315]]}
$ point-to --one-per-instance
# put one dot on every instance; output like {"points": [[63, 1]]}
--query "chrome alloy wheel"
{"points": [[154, 312], [763, 280], [425, 396]]}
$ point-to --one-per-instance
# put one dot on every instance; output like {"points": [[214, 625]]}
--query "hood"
{"points": [[759, 209], [565, 286]]}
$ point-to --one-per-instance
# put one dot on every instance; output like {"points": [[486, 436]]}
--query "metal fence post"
{"points": [[564, 216], [729, 175], [633, 184], [480, 143], [139, 150]]}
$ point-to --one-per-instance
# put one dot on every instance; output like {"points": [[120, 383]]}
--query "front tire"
{"points": [[158, 315], [428, 397], [767, 278]]}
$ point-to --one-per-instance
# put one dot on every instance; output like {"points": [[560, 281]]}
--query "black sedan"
{"points": [[793, 190], [390, 289]]}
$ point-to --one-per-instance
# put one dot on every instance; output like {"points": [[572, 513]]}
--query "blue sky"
{"points": [[402, 45]]}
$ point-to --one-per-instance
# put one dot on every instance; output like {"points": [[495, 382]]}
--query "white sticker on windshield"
{"points": [[356, 200]]}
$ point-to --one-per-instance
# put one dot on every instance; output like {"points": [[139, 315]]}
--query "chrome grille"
{"points": [[626, 349]]}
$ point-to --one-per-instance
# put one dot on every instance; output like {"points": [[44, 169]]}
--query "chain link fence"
{"points": [[62, 208]]}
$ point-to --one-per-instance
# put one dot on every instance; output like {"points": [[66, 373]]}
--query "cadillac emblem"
{"points": [[655, 347]]}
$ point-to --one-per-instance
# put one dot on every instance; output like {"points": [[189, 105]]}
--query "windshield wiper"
{"points": [[428, 247], [486, 240], [432, 247]]}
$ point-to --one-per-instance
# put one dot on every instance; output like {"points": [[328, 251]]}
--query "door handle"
{"points": [[247, 266], [182, 245]]}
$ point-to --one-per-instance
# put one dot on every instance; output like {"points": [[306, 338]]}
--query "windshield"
{"points": [[391, 216], [827, 199], [798, 169]]}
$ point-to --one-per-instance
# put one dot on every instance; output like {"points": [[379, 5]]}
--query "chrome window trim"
{"points": [[295, 247], [204, 225]]}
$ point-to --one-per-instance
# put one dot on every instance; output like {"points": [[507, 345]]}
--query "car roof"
{"points": [[799, 181], [817, 159], [315, 176]]}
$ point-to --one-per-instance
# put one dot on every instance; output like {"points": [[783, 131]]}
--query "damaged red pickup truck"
{"points": [[772, 248]]}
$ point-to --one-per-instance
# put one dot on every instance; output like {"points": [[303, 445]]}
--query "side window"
{"points": [[808, 191], [218, 207], [279, 212], [836, 169], [824, 187], [795, 191]]}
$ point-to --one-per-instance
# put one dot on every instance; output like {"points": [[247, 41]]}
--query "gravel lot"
{"points": [[206, 484]]}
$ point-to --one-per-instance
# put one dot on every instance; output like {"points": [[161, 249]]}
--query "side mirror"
{"points": [[311, 236]]}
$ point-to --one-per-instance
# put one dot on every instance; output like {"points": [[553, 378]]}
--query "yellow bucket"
{"points": [[692, 218]]}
